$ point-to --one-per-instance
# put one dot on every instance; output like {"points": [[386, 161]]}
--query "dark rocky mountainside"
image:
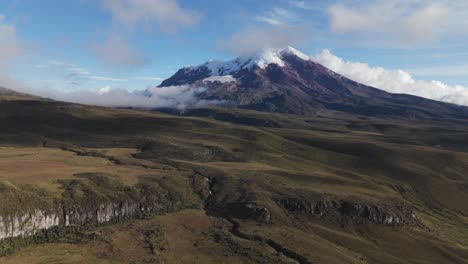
{"points": [[287, 81]]}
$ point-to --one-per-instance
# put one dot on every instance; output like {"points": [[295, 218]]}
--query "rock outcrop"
{"points": [[23, 225], [94, 200], [391, 214], [248, 211], [27, 224]]}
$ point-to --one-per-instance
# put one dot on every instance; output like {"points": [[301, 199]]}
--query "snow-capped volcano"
{"points": [[286, 80], [233, 68], [260, 59]]}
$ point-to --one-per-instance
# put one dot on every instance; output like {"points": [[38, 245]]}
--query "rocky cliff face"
{"points": [[23, 225], [95, 200], [252, 206], [27, 224], [392, 215]]}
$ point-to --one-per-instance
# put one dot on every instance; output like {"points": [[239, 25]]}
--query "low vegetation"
{"points": [[237, 186]]}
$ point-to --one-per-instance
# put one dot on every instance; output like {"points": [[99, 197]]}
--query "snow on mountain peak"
{"points": [[260, 59], [292, 51]]}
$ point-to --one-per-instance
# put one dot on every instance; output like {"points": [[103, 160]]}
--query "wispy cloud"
{"points": [[445, 71], [115, 52], [106, 79], [74, 74], [60, 63], [151, 78], [167, 14], [306, 5], [411, 22], [78, 71], [251, 40], [277, 16]]}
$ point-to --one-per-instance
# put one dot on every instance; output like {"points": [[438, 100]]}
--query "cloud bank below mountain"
{"points": [[182, 97]]}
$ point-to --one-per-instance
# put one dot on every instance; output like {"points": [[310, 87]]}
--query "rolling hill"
{"points": [[102, 185]]}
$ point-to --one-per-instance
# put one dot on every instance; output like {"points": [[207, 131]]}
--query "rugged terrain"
{"points": [[83, 184]]}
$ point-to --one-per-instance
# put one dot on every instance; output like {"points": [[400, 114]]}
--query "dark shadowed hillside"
{"points": [[7, 94]]}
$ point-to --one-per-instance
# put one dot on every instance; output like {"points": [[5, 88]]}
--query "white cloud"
{"points": [[178, 97], [393, 81], [115, 52], [412, 22], [255, 39], [78, 71], [446, 71], [153, 79], [107, 79], [104, 90], [166, 13], [277, 16], [299, 4], [306, 5], [419, 25], [60, 63]]}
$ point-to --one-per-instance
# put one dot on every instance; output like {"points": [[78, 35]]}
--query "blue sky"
{"points": [[131, 44]]}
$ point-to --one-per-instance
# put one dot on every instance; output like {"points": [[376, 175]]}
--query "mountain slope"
{"points": [[287, 81], [7, 94], [308, 190]]}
